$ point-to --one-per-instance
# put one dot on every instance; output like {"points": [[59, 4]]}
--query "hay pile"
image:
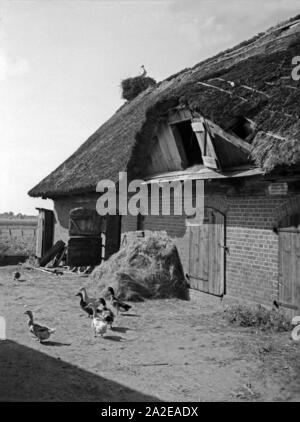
{"points": [[143, 268], [132, 87]]}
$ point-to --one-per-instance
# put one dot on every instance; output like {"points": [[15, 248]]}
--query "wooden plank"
{"points": [[297, 274], [83, 251], [209, 155], [39, 237], [162, 136], [84, 221], [179, 115], [113, 235], [211, 251], [210, 162], [206, 256], [48, 231], [289, 264], [197, 125], [201, 174], [220, 247], [158, 163], [51, 253], [158, 158], [234, 140], [199, 130], [172, 148], [180, 148], [211, 148]]}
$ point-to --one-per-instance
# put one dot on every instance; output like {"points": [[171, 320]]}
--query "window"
{"points": [[243, 128], [187, 143]]}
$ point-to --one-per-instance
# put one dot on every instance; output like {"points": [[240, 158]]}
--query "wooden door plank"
{"points": [[234, 140], [180, 148]]}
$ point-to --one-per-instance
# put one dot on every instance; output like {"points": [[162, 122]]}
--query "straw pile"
{"points": [[144, 268]]}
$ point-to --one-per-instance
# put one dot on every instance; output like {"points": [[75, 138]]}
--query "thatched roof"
{"points": [[252, 80]]}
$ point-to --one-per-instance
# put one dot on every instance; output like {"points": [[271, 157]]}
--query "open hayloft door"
{"points": [[207, 253], [85, 241], [289, 261], [113, 235]]}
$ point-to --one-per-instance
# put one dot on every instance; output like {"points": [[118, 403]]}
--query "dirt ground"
{"points": [[167, 350]]}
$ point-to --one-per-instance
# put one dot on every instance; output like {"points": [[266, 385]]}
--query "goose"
{"points": [[84, 305], [106, 314], [39, 331], [116, 303], [86, 298]]}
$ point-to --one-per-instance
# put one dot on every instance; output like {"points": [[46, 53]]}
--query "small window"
{"points": [[243, 128], [185, 135]]}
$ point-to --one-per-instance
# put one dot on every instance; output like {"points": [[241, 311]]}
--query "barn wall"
{"points": [[252, 261], [62, 208]]}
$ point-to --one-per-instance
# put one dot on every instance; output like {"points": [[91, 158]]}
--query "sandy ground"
{"points": [[167, 350]]}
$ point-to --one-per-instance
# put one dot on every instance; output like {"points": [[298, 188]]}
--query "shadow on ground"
{"points": [[29, 375]]}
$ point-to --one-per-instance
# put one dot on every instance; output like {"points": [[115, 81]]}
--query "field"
{"points": [[17, 236], [167, 350]]}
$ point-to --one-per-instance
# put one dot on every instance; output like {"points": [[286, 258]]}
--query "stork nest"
{"points": [[132, 87]]}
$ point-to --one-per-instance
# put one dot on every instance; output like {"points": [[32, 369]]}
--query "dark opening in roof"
{"points": [[243, 128], [190, 143]]}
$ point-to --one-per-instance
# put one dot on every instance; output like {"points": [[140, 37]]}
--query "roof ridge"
{"points": [[225, 54]]}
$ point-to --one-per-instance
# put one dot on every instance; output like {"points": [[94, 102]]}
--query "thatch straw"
{"points": [[262, 91]]}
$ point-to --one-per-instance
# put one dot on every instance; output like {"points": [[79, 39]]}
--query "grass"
{"points": [[17, 246], [17, 238], [257, 316]]}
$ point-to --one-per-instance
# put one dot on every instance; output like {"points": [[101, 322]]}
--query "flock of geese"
{"points": [[101, 315]]}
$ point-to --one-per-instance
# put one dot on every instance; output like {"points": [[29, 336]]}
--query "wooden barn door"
{"points": [[113, 235], [85, 242], [289, 261], [45, 232], [207, 253]]}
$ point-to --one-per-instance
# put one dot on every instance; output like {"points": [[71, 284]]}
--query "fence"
{"points": [[17, 237]]}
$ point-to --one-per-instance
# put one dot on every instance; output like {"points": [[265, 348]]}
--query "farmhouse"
{"points": [[231, 121]]}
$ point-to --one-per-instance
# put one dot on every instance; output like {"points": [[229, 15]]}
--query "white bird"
{"points": [[296, 330], [98, 324]]}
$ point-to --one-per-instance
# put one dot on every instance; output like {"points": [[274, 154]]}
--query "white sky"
{"points": [[61, 63]]}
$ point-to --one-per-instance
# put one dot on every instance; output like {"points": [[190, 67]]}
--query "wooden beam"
{"points": [[209, 155], [199, 130], [178, 141], [234, 140], [179, 115], [210, 162]]}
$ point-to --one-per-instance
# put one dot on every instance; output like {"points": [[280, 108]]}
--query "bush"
{"points": [[257, 316], [17, 246]]}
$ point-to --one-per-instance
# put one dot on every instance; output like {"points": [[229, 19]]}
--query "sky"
{"points": [[62, 62]]}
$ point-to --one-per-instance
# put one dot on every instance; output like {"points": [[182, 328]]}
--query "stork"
{"points": [[144, 72]]}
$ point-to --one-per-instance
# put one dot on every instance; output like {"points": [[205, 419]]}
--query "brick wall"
{"points": [[252, 262]]}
